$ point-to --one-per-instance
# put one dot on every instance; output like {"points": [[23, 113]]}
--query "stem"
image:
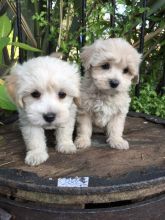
{"points": [[61, 16], [112, 17], [36, 25], [19, 28], [141, 46]]}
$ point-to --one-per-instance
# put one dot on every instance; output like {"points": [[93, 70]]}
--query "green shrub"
{"points": [[148, 101], [63, 32], [5, 30]]}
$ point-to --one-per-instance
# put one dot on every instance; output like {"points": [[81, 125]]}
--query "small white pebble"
{"points": [[145, 122], [50, 178]]}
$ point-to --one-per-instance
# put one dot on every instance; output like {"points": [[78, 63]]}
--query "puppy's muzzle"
{"points": [[49, 117], [114, 83]]}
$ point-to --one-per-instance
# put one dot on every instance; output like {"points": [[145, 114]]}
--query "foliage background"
{"points": [[60, 28]]}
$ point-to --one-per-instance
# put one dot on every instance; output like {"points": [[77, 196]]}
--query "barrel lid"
{"points": [[97, 174]]}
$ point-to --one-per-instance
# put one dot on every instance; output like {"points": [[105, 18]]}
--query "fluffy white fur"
{"points": [[105, 61], [50, 77]]}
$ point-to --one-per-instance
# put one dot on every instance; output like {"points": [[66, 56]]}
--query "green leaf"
{"points": [[141, 10], [25, 46], [5, 102], [3, 42], [5, 26]]}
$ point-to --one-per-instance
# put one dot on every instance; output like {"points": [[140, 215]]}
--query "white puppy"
{"points": [[110, 67], [44, 90]]}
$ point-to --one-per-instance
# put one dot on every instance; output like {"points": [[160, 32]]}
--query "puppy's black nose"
{"points": [[49, 117], [114, 83]]}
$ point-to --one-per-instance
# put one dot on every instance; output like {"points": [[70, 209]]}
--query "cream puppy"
{"points": [[44, 90], [110, 67]]}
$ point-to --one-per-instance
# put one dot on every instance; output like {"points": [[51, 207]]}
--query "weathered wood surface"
{"points": [[147, 149], [115, 175]]}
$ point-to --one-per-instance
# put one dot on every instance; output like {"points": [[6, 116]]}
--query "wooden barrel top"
{"points": [[112, 175]]}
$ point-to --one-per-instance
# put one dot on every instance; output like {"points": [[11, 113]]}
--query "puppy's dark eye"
{"points": [[105, 66], [36, 94], [125, 70], [61, 95]]}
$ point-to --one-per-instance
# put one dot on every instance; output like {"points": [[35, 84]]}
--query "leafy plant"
{"points": [[149, 101], [5, 29], [59, 28]]}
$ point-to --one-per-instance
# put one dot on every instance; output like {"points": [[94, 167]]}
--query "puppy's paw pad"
{"points": [[82, 142], [67, 148], [34, 158], [119, 144]]}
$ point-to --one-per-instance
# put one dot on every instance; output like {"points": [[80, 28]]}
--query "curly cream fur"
{"points": [[49, 76], [101, 104]]}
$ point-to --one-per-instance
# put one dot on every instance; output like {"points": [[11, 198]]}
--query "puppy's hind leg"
{"points": [[115, 129], [84, 131], [34, 138]]}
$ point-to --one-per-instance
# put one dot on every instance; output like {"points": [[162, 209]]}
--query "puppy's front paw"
{"points": [[82, 142], [35, 157], [119, 143], [68, 148]]}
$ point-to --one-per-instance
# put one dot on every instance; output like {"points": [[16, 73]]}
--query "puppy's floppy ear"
{"points": [[135, 80], [11, 86], [10, 83], [138, 60], [86, 55], [77, 101], [76, 95]]}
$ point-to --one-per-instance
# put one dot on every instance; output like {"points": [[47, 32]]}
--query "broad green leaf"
{"points": [[5, 26], [25, 46], [3, 42], [5, 102]]}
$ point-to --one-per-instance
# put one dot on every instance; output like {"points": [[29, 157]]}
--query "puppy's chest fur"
{"points": [[103, 107]]}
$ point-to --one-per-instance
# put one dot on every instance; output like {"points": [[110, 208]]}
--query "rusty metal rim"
{"points": [[36, 207], [39, 184], [121, 193]]}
